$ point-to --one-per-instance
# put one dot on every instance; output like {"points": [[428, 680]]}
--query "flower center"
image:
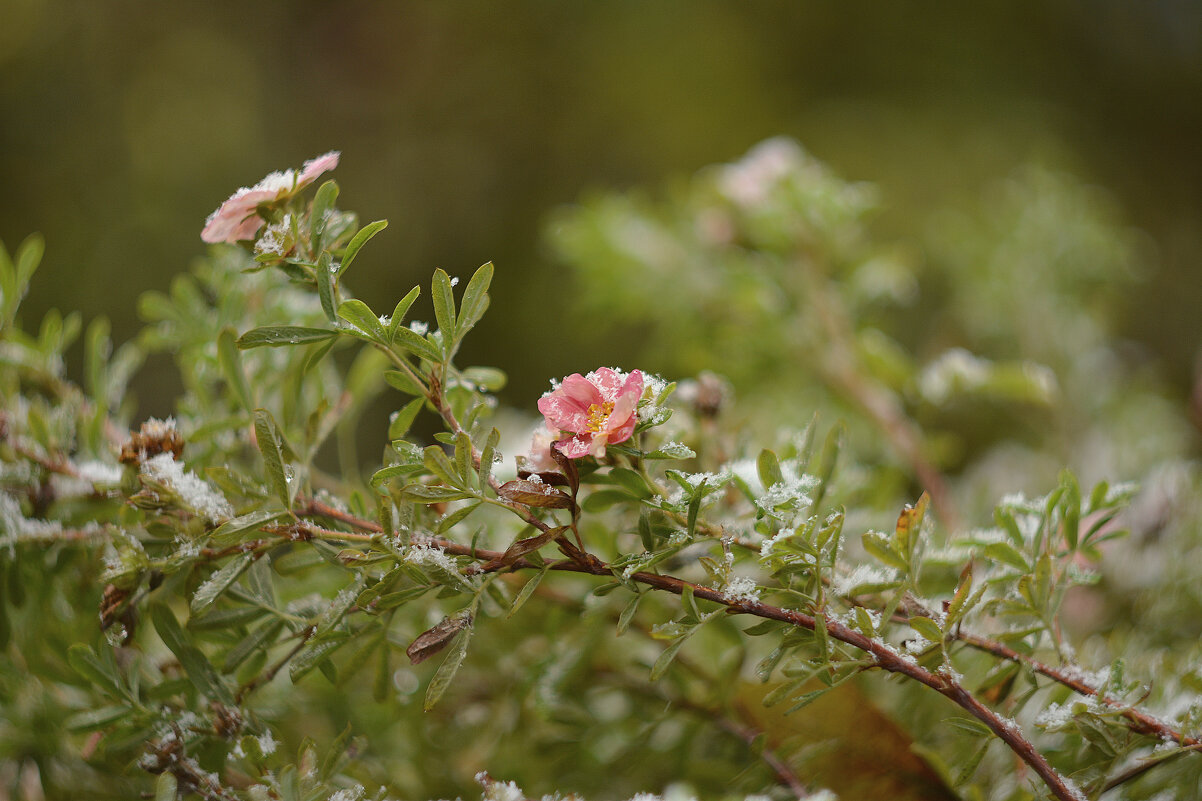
{"points": [[597, 415]]}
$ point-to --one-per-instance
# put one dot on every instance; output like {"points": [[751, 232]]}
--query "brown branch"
{"points": [[1137, 720]]}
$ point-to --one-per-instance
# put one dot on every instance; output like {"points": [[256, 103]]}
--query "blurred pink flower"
{"points": [[597, 410], [236, 219], [538, 458]]}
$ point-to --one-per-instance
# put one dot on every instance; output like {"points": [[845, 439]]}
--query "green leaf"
{"points": [[166, 787], [271, 446], [416, 344], [337, 608], [444, 308], [208, 592], [489, 379], [926, 627], [601, 500], [230, 362], [261, 637], [878, 545], [325, 286], [695, 508], [450, 666], [475, 299], [455, 517], [399, 379], [690, 603], [83, 660], [323, 201], [358, 241], [527, 590], [665, 658], [194, 663], [970, 725], [93, 719], [401, 422], [672, 450], [312, 655], [628, 613], [425, 494], [281, 335], [1006, 553], [831, 447], [230, 532], [360, 315], [1071, 504], [768, 467], [487, 457], [400, 310]]}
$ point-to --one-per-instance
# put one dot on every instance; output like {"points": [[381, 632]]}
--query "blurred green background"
{"points": [[123, 124]]}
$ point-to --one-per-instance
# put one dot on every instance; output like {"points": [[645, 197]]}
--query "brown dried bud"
{"points": [[708, 393], [433, 640], [155, 437]]}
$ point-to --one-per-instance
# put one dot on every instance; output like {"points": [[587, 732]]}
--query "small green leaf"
{"points": [[475, 299], [400, 310], [194, 663], [425, 494], [970, 725], [281, 335], [527, 590], [358, 241], [455, 517], [926, 627], [402, 421], [399, 379], [690, 603], [166, 787], [93, 719], [1006, 553], [208, 592], [489, 379], [230, 362], [230, 532], [313, 655], [444, 308], [325, 286], [628, 613], [261, 637], [487, 457], [665, 658], [768, 467], [672, 450], [416, 344], [878, 545], [360, 315], [323, 202], [83, 660], [450, 666], [271, 446], [1071, 504]]}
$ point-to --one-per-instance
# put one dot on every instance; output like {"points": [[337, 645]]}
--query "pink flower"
{"points": [[538, 458], [597, 410], [237, 218]]}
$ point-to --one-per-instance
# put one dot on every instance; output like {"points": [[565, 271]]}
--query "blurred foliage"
{"points": [[463, 123], [996, 316]]}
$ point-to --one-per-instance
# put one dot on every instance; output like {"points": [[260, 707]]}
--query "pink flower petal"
{"points": [[316, 166], [235, 219], [567, 408], [576, 446]]}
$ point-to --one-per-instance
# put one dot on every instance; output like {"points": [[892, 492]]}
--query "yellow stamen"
{"points": [[598, 413]]}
